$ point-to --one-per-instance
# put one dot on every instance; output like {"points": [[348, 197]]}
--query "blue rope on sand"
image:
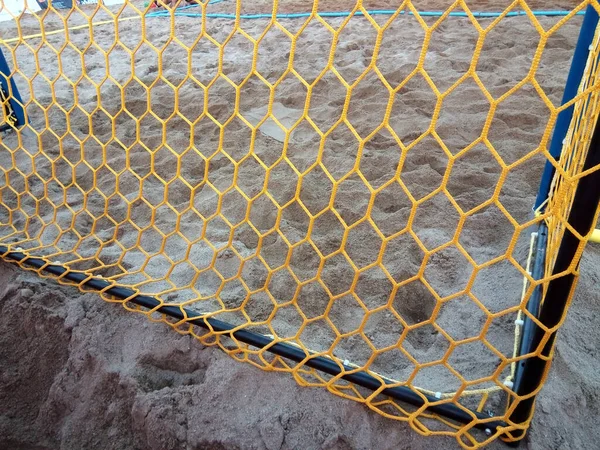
{"points": [[381, 12]]}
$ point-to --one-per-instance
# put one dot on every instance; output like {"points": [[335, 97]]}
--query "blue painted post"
{"points": [[12, 93], [586, 35]]}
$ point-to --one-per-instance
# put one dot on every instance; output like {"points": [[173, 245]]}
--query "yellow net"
{"points": [[358, 185], [572, 162]]}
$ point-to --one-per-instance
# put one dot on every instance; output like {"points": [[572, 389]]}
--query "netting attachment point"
{"points": [[438, 395], [519, 322], [509, 384], [488, 432], [346, 362]]}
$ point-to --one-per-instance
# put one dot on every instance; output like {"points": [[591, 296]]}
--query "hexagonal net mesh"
{"points": [[355, 185]]}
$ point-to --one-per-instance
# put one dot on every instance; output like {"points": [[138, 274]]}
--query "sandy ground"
{"points": [[148, 395], [81, 373]]}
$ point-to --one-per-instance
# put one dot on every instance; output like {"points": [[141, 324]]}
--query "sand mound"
{"points": [[78, 373]]}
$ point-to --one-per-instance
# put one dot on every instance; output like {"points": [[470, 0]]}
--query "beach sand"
{"points": [[85, 374]]}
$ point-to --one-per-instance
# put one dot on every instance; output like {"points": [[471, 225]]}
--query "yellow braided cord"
{"points": [[359, 187]]}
